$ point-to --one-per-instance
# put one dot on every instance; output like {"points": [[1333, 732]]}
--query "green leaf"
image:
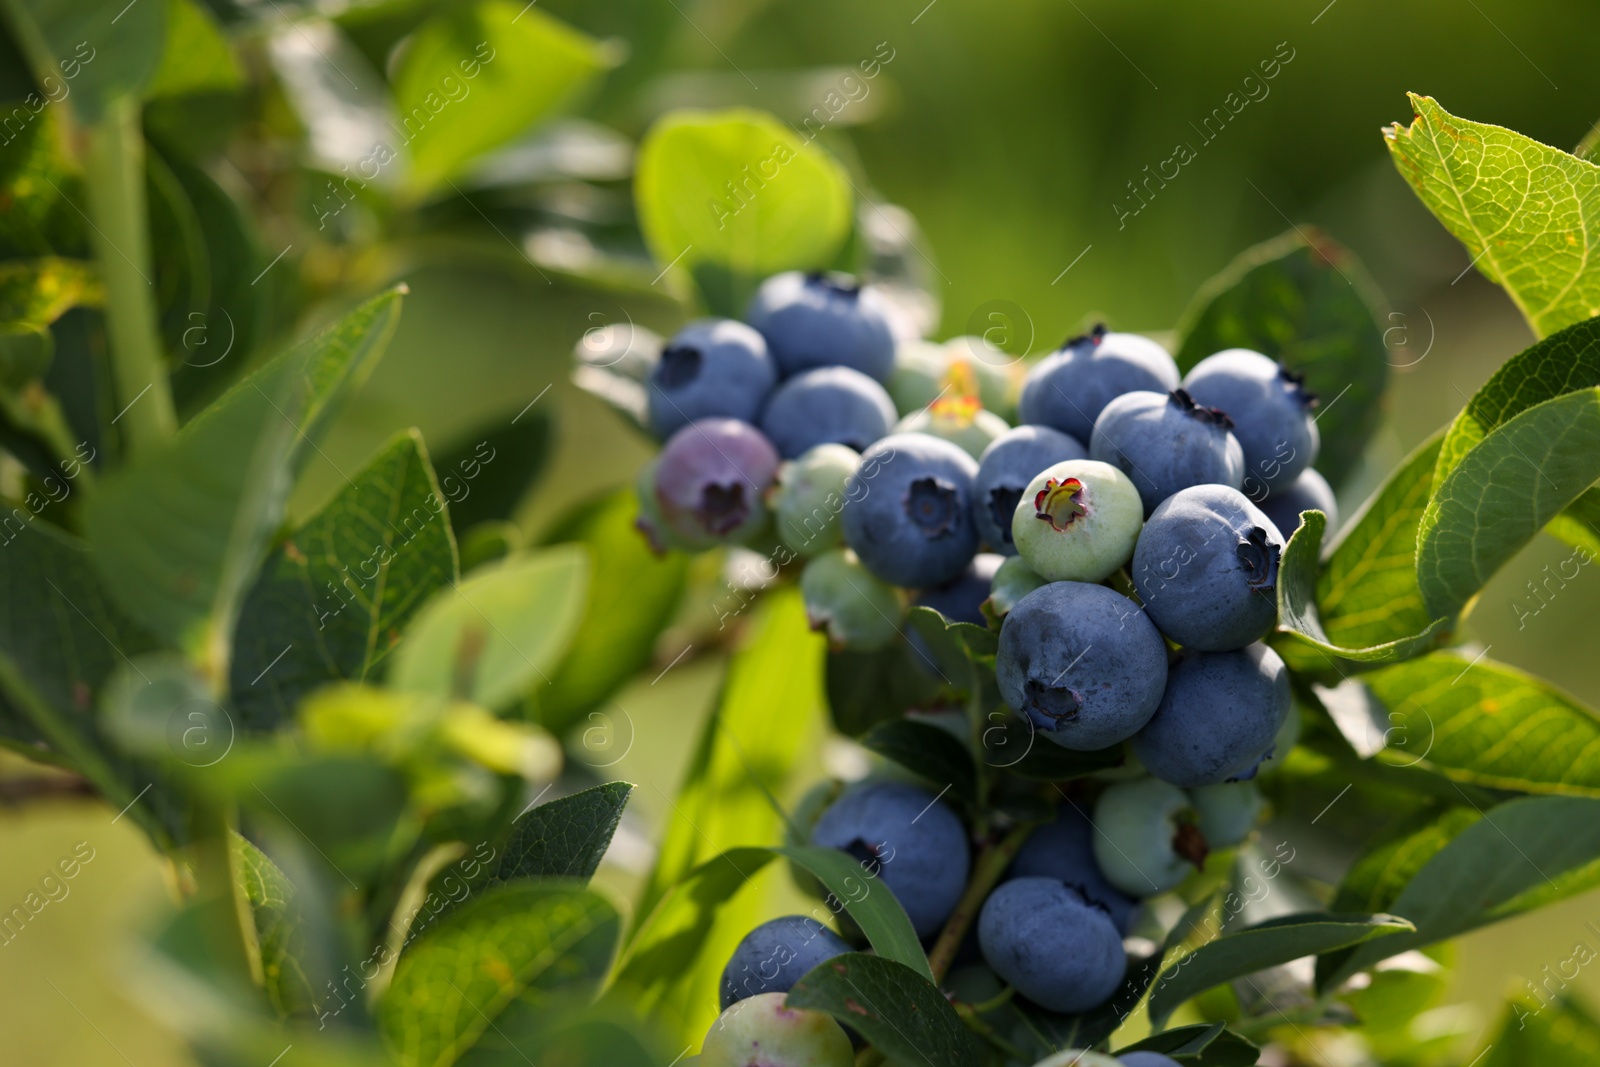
{"points": [[1306, 301], [632, 598], [61, 638], [1483, 722], [196, 98], [1502, 493], [898, 1010], [1521, 854], [1199, 1046], [491, 637], [1557, 1031], [1255, 948], [1579, 524], [103, 50], [277, 921], [929, 751], [39, 291], [509, 954], [178, 533], [790, 208], [1375, 880], [564, 838], [866, 688], [1297, 614], [332, 601], [1057, 1032], [673, 965], [1529, 214], [1367, 595], [472, 78], [741, 760]]}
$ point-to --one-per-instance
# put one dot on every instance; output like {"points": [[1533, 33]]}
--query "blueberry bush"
{"points": [[1149, 755]]}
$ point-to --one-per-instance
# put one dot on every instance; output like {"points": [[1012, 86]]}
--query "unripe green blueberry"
{"points": [[925, 371], [1146, 840], [997, 372], [809, 496], [917, 376], [1013, 581], [1227, 811], [846, 601], [961, 420], [760, 1032], [1077, 521]]}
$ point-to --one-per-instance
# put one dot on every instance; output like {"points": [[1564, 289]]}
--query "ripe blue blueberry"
{"points": [[829, 405], [1218, 718], [907, 838], [823, 320], [1082, 664], [1309, 492], [1053, 946], [844, 600], [1145, 1058], [962, 600], [775, 955], [1206, 569], [1064, 850], [1166, 442], [908, 510], [1271, 412], [1069, 388], [1004, 470], [710, 480], [760, 1031], [714, 367], [1147, 839]]}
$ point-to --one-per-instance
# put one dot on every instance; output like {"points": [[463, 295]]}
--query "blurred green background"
{"points": [[1008, 132]]}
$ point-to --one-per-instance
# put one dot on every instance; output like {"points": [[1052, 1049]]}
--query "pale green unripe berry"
{"points": [[1013, 581], [760, 1032], [1146, 840], [1227, 811], [847, 602], [809, 497], [959, 420], [1078, 521]]}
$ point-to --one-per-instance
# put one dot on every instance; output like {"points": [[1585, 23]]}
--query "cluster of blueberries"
{"points": [[1124, 536]]}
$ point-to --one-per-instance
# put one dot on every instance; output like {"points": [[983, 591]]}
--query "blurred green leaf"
{"points": [[41, 189], [898, 1010], [1377, 877], [632, 599], [179, 533], [196, 97], [39, 291], [486, 474], [928, 751], [1502, 493], [179, 258], [673, 965], [566, 837], [1489, 724], [1519, 855], [331, 602], [512, 953], [61, 639], [34, 293], [472, 78], [789, 206], [277, 923], [1297, 613], [1579, 524], [1526, 212], [1304, 300], [489, 638], [1255, 948], [741, 761], [1558, 1032], [1199, 1045], [103, 50]]}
